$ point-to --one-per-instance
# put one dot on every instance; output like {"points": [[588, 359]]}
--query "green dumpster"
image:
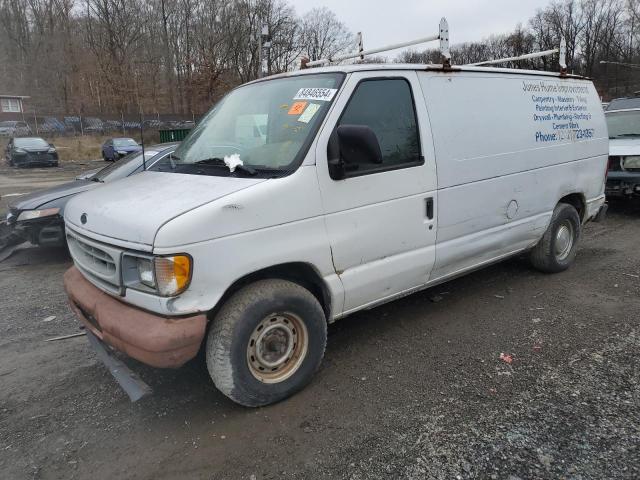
{"points": [[173, 134]]}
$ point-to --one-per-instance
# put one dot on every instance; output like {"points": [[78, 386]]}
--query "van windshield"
{"points": [[623, 124], [264, 128]]}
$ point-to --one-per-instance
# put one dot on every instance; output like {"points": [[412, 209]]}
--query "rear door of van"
{"points": [[380, 218]]}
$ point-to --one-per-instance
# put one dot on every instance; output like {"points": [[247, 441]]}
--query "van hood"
{"points": [[622, 147], [133, 209]]}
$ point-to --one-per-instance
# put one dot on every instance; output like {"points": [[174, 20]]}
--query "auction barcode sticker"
{"points": [[323, 94]]}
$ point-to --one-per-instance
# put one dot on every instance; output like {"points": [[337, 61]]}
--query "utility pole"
{"points": [[264, 44], [144, 160]]}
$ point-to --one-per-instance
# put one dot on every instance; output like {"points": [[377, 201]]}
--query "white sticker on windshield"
{"points": [[323, 94], [309, 113]]}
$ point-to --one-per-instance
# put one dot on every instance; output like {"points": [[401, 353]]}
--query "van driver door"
{"points": [[380, 217]]}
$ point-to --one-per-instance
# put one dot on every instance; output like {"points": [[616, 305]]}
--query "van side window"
{"points": [[386, 106]]}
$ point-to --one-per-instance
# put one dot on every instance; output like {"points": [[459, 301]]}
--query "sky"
{"points": [[384, 22]]}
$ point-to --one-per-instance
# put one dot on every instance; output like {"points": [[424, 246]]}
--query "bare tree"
{"points": [[114, 29], [323, 35], [110, 57]]}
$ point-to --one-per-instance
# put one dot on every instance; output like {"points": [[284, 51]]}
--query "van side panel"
{"points": [[508, 147]]}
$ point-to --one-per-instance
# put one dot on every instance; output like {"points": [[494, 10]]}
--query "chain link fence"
{"points": [[59, 125]]}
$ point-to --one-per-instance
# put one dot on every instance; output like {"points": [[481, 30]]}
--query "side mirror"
{"points": [[357, 144], [336, 168]]}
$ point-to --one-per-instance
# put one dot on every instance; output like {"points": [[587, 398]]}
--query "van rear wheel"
{"points": [[556, 250], [266, 342]]}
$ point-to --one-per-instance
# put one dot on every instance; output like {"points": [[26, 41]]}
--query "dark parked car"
{"points": [[623, 177], [11, 128], [39, 215], [31, 151], [116, 148]]}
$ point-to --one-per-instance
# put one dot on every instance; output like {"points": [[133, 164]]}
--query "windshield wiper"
{"points": [[219, 162], [96, 179], [211, 161]]}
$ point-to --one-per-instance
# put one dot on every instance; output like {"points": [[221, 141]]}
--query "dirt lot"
{"points": [[412, 389]]}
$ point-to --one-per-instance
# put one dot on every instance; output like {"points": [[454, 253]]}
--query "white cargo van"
{"points": [[302, 198]]}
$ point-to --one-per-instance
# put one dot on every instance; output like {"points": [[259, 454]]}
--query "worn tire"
{"points": [[229, 336], [544, 256]]}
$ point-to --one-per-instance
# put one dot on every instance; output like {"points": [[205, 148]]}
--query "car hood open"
{"points": [[133, 209], [622, 147], [41, 197]]}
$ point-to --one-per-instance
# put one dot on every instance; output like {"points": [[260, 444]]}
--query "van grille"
{"points": [[100, 263]]}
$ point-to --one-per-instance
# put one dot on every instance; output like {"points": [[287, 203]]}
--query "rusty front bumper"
{"points": [[165, 342]]}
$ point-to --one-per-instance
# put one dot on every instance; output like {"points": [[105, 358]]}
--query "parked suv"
{"points": [[623, 180], [305, 197]]}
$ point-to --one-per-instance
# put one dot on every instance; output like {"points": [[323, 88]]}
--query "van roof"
{"points": [[366, 67]]}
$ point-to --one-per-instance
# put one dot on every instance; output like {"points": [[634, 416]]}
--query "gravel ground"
{"points": [[413, 389]]}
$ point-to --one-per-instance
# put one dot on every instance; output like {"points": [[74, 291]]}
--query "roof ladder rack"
{"points": [[562, 61], [442, 36]]}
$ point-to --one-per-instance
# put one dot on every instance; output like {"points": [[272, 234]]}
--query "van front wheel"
{"points": [[557, 249], [266, 342]]}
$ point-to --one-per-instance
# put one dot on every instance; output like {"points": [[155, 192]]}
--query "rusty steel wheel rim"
{"points": [[277, 347]]}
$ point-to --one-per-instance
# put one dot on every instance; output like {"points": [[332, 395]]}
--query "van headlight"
{"points": [[632, 161], [165, 275], [145, 272]]}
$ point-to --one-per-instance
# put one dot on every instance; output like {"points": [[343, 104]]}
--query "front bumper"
{"points": [[164, 342], [34, 161]]}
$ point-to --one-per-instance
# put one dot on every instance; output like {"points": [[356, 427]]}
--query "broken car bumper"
{"points": [[46, 232], [165, 342]]}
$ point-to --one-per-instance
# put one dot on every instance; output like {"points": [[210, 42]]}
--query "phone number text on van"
{"points": [[572, 135]]}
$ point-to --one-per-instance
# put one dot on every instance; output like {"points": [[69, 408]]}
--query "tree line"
{"points": [[602, 36], [180, 56], [154, 56]]}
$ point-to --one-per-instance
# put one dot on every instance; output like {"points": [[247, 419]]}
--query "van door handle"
{"points": [[429, 207]]}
